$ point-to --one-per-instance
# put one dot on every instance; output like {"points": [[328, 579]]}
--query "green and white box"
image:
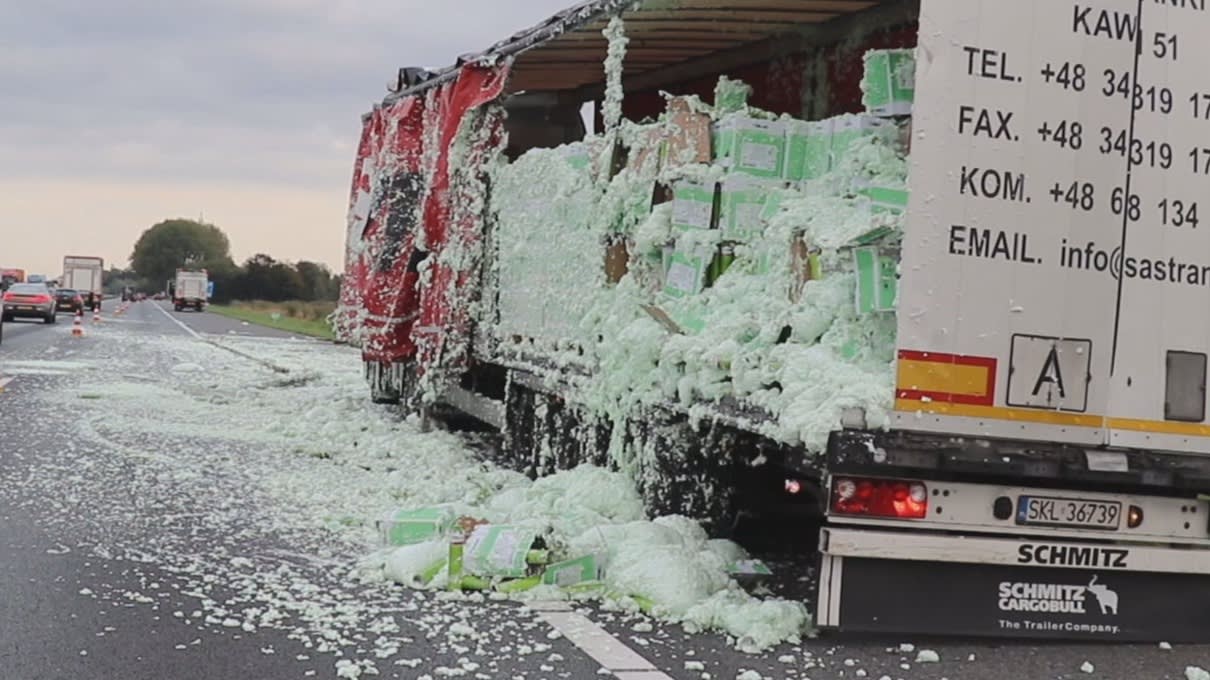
{"points": [[849, 128], [686, 272], [408, 527], [888, 87], [877, 279], [497, 550], [741, 207], [692, 205], [570, 572], [751, 146], [884, 199], [808, 149]]}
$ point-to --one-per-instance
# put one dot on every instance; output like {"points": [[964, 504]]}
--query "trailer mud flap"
{"points": [[945, 598]]}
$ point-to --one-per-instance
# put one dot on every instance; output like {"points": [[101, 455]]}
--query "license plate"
{"points": [[1069, 512], [28, 309]]}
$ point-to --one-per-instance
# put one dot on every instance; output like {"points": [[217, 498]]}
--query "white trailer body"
{"points": [[1050, 332], [190, 289], [1053, 269], [83, 274]]}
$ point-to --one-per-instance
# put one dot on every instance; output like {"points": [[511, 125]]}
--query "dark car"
{"points": [[68, 300], [28, 300]]}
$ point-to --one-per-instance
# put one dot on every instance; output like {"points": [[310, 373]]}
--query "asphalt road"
{"points": [[108, 542]]}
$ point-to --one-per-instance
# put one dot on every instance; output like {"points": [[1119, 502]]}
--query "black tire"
{"points": [[176, 308], [383, 389], [49, 318]]}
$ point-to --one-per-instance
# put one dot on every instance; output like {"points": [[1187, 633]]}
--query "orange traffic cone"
{"points": [[77, 330], [96, 315]]}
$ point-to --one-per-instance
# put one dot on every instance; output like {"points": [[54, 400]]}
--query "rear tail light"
{"points": [[9, 296], [894, 498]]}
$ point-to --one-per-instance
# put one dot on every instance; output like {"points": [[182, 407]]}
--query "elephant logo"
{"points": [[1106, 598]]}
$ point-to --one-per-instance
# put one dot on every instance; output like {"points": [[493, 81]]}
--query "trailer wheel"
{"points": [[683, 470], [518, 437], [383, 389]]}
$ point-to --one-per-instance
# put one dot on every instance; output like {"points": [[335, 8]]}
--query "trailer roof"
{"points": [[567, 51]]}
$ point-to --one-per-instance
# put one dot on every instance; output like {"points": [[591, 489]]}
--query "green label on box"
{"points": [[877, 280]]}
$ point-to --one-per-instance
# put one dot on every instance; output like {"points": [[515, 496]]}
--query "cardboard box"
{"points": [[848, 129], [617, 258], [808, 150], [888, 86], [686, 274], [687, 136], [741, 207], [647, 150], [497, 550], [751, 146], [694, 206], [885, 200], [408, 527], [572, 572], [877, 279], [731, 96]]}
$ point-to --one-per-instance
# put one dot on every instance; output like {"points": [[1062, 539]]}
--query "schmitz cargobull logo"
{"points": [[1073, 556], [1055, 598]]}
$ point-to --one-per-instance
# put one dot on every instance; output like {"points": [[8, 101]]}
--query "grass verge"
{"points": [[316, 328]]}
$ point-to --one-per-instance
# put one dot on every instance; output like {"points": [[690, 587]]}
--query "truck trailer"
{"points": [[189, 289], [84, 274], [926, 271]]}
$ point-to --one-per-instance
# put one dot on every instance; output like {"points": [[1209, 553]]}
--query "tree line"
{"points": [[190, 244]]}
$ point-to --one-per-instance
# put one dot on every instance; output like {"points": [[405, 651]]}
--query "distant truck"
{"points": [[84, 274], [9, 276], [189, 289]]}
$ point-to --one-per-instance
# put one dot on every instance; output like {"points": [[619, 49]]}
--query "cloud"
{"points": [[262, 91]]}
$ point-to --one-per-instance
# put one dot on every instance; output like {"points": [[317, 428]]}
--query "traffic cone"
{"points": [[96, 315], [77, 330]]}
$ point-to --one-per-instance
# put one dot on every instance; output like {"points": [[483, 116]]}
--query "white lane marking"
{"points": [[173, 319], [604, 648], [197, 336]]}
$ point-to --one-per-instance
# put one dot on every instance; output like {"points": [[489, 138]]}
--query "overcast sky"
{"points": [[119, 113]]}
